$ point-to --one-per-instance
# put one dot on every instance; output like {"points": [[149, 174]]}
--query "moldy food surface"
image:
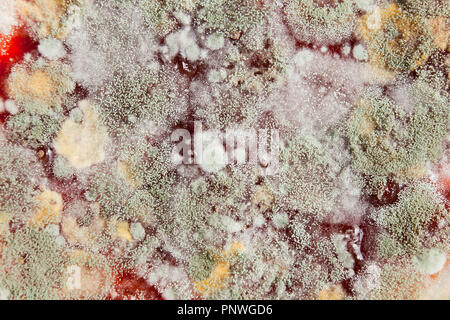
{"points": [[352, 204]]}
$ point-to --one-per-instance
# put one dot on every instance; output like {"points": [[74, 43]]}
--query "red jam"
{"points": [[13, 47]]}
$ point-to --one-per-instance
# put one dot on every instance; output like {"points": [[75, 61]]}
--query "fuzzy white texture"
{"points": [[346, 50], [8, 16], [430, 261], [230, 225], [52, 49], [342, 252], [320, 90], [259, 221], [89, 66], [349, 206], [52, 229], [364, 4], [319, 94], [401, 95], [169, 280], [184, 18], [360, 53], [280, 220], [183, 42], [137, 231], [74, 15], [96, 53], [4, 294], [214, 157], [76, 114], [11, 107], [215, 41], [367, 281], [216, 76], [303, 57]]}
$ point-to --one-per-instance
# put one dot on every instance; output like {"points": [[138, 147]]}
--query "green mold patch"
{"points": [[230, 17], [200, 266], [32, 265], [207, 214], [150, 168], [258, 271], [33, 130], [140, 189], [138, 225], [158, 15], [321, 23], [416, 221], [396, 283], [386, 141], [305, 181], [132, 98], [403, 41]]}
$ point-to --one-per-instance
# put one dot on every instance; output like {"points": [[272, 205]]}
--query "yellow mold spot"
{"points": [[119, 230], [371, 24], [48, 210], [82, 144], [4, 220], [335, 292], [373, 21], [47, 13], [441, 31], [221, 271], [40, 88], [234, 249], [37, 85], [123, 231], [126, 172]]}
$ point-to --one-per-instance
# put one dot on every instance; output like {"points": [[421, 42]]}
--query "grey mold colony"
{"points": [[321, 22], [22, 175], [390, 141]]}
